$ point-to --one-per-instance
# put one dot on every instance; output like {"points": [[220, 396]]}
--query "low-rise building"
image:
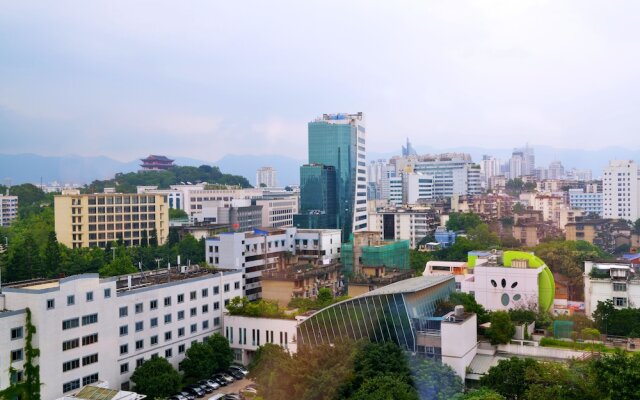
{"points": [[8, 209], [618, 282], [412, 223], [90, 329], [301, 280], [489, 207]]}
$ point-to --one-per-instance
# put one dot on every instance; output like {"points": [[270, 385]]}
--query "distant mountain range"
{"points": [[32, 168]]}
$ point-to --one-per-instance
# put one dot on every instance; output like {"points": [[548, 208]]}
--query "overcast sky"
{"points": [[204, 79]]}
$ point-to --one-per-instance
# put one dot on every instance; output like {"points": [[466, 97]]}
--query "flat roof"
{"points": [[411, 285]]}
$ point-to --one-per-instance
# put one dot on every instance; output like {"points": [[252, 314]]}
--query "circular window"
{"points": [[516, 297], [505, 299]]}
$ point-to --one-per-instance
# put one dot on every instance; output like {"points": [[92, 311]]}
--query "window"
{"points": [[181, 349], [16, 355], [139, 308], [620, 301], [139, 344], [205, 308], [71, 300], [69, 365], [194, 328], [180, 315], [168, 353], [167, 318], [89, 296], [92, 359], [205, 292], [216, 305], [89, 339], [226, 287], [216, 290], [153, 304], [619, 287], [167, 301], [236, 285], [154, 340], [107, 293], [124, 368], [193, 295], [124, 311], [69, 386], [87, 380], [16, 333], [139, 326], [70, 344], [89, 319], [70, 323], [124, 330], [167, 336], [153, 322], [180, 332], [193, 311], [139, 362], [51, 304], [124, 349], [205, 324], [180, 298]]}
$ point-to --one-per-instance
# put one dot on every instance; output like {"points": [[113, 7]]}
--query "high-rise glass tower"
{"points": [[337, 141]]}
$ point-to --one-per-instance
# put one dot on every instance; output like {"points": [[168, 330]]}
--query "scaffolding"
{"points": [[390, 255]]}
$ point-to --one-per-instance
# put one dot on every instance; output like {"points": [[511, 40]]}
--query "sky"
{"points": [[203, 79]]}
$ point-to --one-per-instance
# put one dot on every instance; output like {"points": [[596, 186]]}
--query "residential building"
{"points": [[489, 167], [556, 170], [417, 187], [278, 212], [445, 237], [589, 201], [301, 279], [618, 282], [8, 209], [392, 189], [241, 215], [156, 163], [90, 329], [269, 248], [93, 220], [338, 141], [522, 162], [412, 222], [266, 177], [620, 190], [490, 207]]}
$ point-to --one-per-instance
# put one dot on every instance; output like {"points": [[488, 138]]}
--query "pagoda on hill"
{"points": [[155, 163]]}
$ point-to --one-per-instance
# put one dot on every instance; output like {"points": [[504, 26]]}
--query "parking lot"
{"points": [[235, 387]]}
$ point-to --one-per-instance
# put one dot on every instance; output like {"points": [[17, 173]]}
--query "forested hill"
{"points": [[126, 183]]}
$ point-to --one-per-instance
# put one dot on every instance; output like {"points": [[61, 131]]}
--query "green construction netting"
{"points": [[392, 255], [562, 329]]}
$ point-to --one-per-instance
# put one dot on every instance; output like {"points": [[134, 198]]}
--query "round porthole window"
{"points": [[516, 297], [505, 299]]}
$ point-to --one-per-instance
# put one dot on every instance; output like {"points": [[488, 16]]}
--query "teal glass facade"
{"points": [[318, 198], [403, 312]]}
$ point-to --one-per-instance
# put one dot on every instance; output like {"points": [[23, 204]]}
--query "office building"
{"points": [[589, 200], [452, 174], [611, 281], [318, 200], [8, 209], [269, 248], [93, 220], [337, 141], [412, 223], [620, 194], [266, 177], [417, 187], [90, 329], [278, 212]]}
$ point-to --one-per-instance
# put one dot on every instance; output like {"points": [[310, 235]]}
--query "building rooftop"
{"points": [[411, 285]]}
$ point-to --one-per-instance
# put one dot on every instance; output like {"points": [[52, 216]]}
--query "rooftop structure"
{"points": [[367, 249], [155, 163]]}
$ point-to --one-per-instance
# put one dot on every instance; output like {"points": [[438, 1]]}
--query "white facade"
{"points": [[621, 198], [253, 252], [589, 202], [8, 209], [417, 187], [489, 167], [90, 329], [391, 189], [266, 176], [246, 334], [451, 175], [404, 223], [495, 286], [459, 342], [278, 213], [619, 283]]}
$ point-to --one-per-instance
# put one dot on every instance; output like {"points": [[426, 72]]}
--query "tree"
{"points": [[386, 387], [52, 256], [618, 374], [435, 380], [483, 237], [481, 394], [24, 260], [470, 305], [325, 297], [190, 249], [223, 353], [121, 265], [176, 213], [462, 221], [509, 377], [174, 237], [156, 378], [636, 226], [144, 238], [502, 329], [206, 358]]}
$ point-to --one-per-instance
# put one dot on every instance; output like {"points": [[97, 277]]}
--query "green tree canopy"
{"points": [[436, 380], [502, 329], [206, 358], [462, 221], [156, 378], [386, 387]]}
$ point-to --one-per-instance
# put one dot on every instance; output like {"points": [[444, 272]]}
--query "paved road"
{"points": [[235, 387]]}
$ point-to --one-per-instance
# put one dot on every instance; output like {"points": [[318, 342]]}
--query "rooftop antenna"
{"points": [[7, 183]]}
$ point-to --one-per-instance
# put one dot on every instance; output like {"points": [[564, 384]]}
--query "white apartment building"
{"points": [[90, 329], [392, 189], [489, 167], [246, 334], [417, 187], [278, 213], [453, 174], [266, 176], [589, 201], [410, 223], [8, 209], [618, 282], [263, 249], [620, 196]]}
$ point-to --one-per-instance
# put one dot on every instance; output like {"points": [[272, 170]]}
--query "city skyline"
{"points": [[164, 78]]}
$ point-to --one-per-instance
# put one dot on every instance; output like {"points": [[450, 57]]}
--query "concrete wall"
{"points": [[459, 344]]}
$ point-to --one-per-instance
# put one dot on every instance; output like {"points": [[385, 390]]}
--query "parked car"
{"points": [[195, 391], [239, 368], [232, 396], [219, 396], [177, 397], [235, 374], [218, 378], [209, 383], [205, 387], [187, 395], [228, 377]]}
